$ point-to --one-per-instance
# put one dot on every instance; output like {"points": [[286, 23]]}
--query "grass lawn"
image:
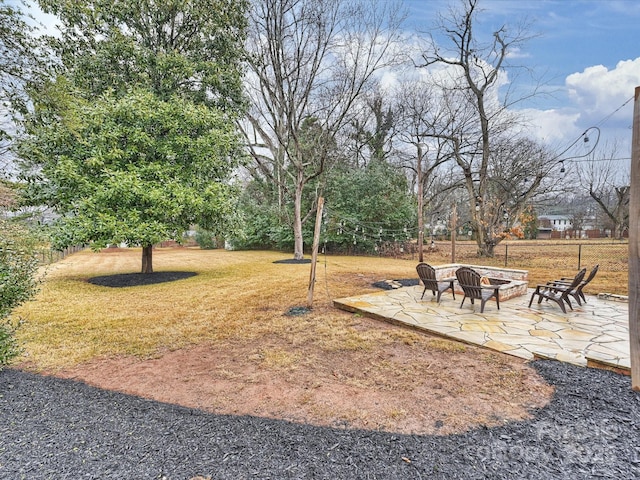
{"points": [[235, 295], [222, 341]]}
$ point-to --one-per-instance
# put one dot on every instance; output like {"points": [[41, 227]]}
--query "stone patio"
{"points": [[594, 334]]}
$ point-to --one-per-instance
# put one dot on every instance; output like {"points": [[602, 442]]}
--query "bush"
{"points": [[18, 268], [206, 239], [9, 347]]}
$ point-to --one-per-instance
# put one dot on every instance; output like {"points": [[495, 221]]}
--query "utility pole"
{"points": [[634, 247]]}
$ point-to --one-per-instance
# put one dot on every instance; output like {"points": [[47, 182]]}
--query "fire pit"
{"points": [[513, 283]]}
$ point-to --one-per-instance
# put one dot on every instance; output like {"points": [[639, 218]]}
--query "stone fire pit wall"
{"points": [[518, 280]]}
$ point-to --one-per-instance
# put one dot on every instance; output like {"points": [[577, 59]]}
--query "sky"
{"points": [[587, 52]]}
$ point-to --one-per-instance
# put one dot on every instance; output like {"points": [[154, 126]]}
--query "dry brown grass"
{"points": [[549, 259], [236, 296], [222, 341]]}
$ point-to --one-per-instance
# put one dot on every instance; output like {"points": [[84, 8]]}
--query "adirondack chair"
{"points": [[427, 275], [469, 281], [577, 293], [558, 293]]}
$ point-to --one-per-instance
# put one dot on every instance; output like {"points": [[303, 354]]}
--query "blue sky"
{"points": [[587, 50]]}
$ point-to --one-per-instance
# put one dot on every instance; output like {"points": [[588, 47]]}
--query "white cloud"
{"points": [[598, 91], [552, 127], [596, 96]]}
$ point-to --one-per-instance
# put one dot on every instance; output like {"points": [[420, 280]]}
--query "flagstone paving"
{"points": [[596, 333]]}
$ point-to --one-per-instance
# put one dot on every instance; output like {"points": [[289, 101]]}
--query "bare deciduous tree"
{"points": [[310, 60], [481, 129], [608, 185], [420, 119]]}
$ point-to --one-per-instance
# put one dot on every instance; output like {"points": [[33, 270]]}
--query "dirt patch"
{"points": [[417, 384]]}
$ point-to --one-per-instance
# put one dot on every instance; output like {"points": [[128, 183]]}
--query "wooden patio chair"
{"points": [[577, 293], [558, 293], [469, 281], [427, 275]]}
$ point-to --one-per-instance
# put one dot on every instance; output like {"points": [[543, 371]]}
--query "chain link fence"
{"points": [[612, 257], [546, 260], [49, 256]]}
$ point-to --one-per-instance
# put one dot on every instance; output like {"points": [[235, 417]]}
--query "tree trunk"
{"points": [[298, 247], [420, 205], [488, 249], [147, 258]]}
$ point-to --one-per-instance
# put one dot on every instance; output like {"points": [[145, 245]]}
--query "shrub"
{"points": [[9, 347], [206, 239], [18, 283]]}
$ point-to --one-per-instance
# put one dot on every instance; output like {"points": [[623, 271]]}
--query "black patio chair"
{"points": [[558, 293], [576, 293], [427, 275], [469, 281]]}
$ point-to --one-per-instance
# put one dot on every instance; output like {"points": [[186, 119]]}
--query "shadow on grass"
{"points": [[138, 279]]}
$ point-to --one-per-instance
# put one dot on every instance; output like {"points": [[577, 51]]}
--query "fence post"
{"points": [[579, 256], [506, 253]]}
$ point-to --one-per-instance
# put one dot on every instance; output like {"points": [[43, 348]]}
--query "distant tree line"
{"points": [[142, 119]]}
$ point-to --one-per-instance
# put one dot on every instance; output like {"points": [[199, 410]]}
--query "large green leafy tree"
{"points": [[18, 61], [132, 136], [192, 47], [134, 169]]}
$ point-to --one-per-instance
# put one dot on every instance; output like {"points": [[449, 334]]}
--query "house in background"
{"points": [[562, 226], [558, 223]]}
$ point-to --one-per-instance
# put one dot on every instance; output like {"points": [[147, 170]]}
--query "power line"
{"points": [[599, 159], [614, 112]]}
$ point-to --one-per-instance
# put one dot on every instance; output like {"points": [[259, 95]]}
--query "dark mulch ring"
{"points": [[53, 428], [138, 279], [297, 311], [392, 284], [293, 261]]}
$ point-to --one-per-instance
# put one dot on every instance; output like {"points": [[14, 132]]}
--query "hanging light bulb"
{"points": [[562, 168]]}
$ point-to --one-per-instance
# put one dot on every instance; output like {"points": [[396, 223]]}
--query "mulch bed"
{"points": [[138, 279], [392, 284], [293, 261], [53, 428]]}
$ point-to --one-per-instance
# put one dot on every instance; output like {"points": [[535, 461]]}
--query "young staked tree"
{"points": [[494, 163], [132, 136], [310, 59]]}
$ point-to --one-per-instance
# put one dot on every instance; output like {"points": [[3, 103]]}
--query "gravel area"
{"points": [[61, 429]]}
